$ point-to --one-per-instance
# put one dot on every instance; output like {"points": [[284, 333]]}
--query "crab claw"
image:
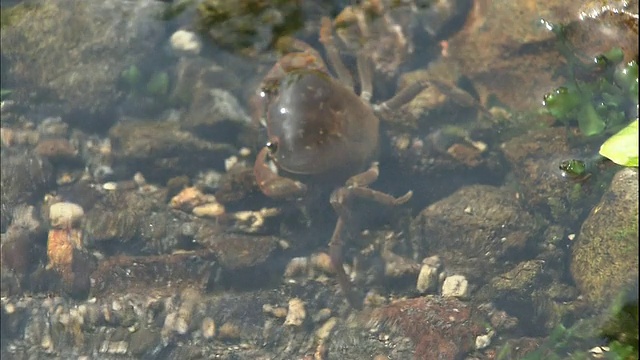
{"points": [[273, 185]]}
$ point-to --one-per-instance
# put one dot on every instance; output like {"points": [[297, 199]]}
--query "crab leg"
{"points": [[340, 200], [335, 253], [364, 74], [364, 178], [404, 96], [326, 38]]}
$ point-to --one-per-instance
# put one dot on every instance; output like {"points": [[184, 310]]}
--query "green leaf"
{"points": [[589, 122], [622, 148], [562, 101]]}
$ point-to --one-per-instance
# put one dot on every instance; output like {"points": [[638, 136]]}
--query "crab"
{"points": [[372, 19], [321, 133]]}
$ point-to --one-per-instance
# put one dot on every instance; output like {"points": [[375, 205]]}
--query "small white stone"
{"points": [[325, 329], [483, 341], [211, 210], [599, 350], [296, 313], [110, 186], [9, 308], [208, 328], [186, 42], [455, 286], [244, 152], [229, 162], [139, 179], [65, 215], [427, 278]]}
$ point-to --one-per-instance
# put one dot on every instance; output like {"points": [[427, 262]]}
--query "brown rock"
{"points": [[441, 328]]}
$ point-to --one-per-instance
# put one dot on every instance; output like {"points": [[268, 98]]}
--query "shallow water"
{"points": [[146, 105]]}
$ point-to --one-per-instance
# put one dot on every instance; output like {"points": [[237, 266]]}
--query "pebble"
{"points": [[208, 328], [322, 261], [325, 330], [244, 152], [322, 315], [189, 198], [483, 341], [429, 274], [278, 312], [139, 179], [229, 331], [169, 326], [60, 245], [211, 210], [65, 215], [190, 298], [114, 347], [56, 148], [296, 267], [455, 286], [296, 313], [427, 279], [253, 221], [186, 42]]}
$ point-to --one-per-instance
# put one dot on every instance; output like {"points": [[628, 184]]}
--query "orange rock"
{"points": [[60, 246]]}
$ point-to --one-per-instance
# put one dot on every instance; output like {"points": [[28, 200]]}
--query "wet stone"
{"points": [[499, 46], [488, 225], [604, 259], [520, 279], [455, 286], [161, 150], [235, 251], [77, 49], [215, 114], [131, 274], [24, 177], [196, 74], [55, 149], [137, 222], [65, 215], [237, 184], [428, 276], [534, 158], [421, 320], [20, 246], [185, 42], [296, 314]]}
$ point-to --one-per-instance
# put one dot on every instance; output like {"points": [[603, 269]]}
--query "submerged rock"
{"points": [[604, 258], [474, 229], [76, 50], [24, 178], [162, 150]]}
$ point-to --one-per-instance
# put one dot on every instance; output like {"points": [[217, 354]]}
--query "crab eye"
{"points": [[272, 146]]}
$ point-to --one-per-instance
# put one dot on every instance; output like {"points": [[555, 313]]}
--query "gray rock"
{"points": [[24, 177], [473, 229], [605, 256], [77, 49], [161, 150]]}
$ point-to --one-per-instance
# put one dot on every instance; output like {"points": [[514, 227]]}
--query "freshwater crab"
{"points": [[321, 132]]}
